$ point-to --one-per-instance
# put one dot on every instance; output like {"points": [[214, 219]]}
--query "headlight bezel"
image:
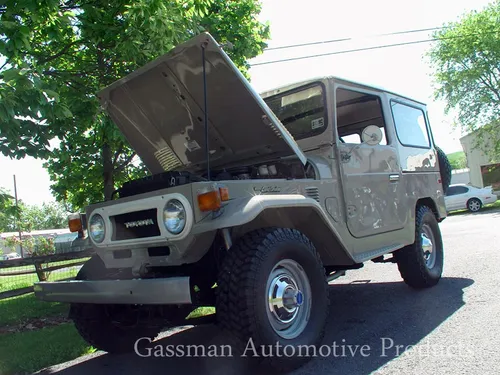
{"points": [[91, 235], [182, 213]]}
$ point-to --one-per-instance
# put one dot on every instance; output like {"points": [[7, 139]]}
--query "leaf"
{"points": [[52, 94], [10, 74]]}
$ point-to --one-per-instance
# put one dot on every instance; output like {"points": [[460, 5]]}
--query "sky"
{"points": [[403, 70]]}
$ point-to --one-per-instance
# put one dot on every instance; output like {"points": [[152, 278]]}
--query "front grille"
{"points": [[132, 225]]}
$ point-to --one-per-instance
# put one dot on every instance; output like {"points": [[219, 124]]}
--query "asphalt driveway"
{"points": [[452, 328]]}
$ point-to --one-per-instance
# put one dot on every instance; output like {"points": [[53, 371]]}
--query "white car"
{"points": [[10, 256], [462, 196]]}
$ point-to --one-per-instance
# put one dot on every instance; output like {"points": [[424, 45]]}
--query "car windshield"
{"points": [[302, 111]]}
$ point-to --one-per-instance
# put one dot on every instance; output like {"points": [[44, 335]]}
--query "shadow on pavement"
{"points": [[361, 313]]}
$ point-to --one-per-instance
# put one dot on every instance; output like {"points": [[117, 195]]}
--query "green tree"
{"points": [[60, 53], [29, 217], [466, 62], [8, 212], [457, 160], [46, 216]]}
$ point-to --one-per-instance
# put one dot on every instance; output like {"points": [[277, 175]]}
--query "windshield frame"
{"points": [[314, 132]]}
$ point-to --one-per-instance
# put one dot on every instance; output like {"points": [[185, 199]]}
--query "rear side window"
{"points": [[454, 190], [411, 127]]}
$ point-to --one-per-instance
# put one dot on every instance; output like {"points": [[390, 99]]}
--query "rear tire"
{"points": [[421, 263], [444, 169], [474, 205], [95, 324], [279, 265]]}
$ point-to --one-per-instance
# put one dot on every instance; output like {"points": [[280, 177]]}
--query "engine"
{"points": [[272, 170], [288, 170]]}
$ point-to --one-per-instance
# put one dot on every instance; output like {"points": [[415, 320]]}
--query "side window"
{"points": [[355, 111], [455, 190], [411, 127], [452, 190]]}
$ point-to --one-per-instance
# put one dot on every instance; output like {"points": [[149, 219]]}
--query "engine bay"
{"points": [[289, 170], [278, 169]]}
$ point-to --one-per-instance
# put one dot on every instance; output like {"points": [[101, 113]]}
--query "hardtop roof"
{"points": [[291, 86]]}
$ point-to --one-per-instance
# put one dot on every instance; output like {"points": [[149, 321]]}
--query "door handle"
{"points": [[393, 177]]}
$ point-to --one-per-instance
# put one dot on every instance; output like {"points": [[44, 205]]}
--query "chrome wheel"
{"points": [[427, 241], [289, 299], [474, 205]]}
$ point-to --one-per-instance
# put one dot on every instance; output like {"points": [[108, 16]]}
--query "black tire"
{"points": [[94, 324], [412, 263], [444, 169], [243, 290], [474, 205]]}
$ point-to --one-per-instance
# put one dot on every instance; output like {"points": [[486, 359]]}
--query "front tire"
{"points": [[272, 289], [474, 205], [421, 263]]}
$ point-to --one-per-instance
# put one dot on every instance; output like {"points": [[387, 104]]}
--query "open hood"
{"points": [[160, 110]]}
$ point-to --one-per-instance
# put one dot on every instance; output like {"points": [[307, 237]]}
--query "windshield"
{"points": [[301, 111]]}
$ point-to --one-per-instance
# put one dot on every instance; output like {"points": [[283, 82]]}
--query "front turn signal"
{"points": [[75, 223], [209, 201]]}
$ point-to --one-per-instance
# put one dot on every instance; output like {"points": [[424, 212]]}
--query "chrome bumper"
{"points": [[168, 291]]}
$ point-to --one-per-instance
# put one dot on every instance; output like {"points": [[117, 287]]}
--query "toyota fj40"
{"points": [[254, 203]]}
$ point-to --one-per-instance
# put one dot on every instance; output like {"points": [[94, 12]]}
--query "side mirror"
{"points": [[372, 135]]}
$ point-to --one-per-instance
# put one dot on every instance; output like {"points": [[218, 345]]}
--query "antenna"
{"points": [[205, 117]]}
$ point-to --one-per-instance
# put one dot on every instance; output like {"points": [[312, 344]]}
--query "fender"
{"points": [[287, 211]]}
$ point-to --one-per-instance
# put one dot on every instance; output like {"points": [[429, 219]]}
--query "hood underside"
{"points": [[160, 110]]}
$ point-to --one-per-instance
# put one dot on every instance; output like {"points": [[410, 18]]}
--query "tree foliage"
{"points": [[458, 160], [29, 218], [60, 53], [8, 211], [466, 61]]}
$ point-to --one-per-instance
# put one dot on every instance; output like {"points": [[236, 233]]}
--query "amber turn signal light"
{"points": [[210, 201], [75, 223]]}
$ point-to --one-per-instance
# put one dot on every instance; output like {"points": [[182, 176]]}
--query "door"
{"points": [[371, 174], [456, 197]]}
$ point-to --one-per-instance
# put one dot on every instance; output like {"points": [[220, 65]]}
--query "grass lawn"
{"points": [[22, 281], [201, 311], [16, 310], [30, 351]]}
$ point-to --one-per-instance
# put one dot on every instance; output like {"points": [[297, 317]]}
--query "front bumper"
{"points": [[165, 291]]}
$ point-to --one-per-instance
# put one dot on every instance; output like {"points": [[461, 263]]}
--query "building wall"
{"points": [[460, 176], [475, 159]]}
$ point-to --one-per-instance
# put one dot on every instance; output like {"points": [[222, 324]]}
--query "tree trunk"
{"points": [[107, 162]]}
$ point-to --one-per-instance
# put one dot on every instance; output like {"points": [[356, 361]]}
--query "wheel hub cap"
{"points": [[289, 299], [426, 239]]}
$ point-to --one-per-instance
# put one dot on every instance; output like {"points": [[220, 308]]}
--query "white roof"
{"points": [[45, 232]]}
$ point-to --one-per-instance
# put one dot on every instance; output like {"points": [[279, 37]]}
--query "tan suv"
{"points": [[254, 203]]}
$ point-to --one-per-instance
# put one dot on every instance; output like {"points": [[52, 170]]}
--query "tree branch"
{"points": [[6, 62], [117, 155], [127, 161], [59, 54]]}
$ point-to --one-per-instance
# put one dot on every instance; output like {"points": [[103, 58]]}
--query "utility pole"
{"points": [[16, 222]]}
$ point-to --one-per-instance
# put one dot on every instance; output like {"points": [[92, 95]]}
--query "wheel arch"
{"points": [[309, 222], [286, 211], [429, 202]]}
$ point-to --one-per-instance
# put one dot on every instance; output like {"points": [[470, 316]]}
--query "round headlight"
{"points": [[97, 229], [174, 216]]}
